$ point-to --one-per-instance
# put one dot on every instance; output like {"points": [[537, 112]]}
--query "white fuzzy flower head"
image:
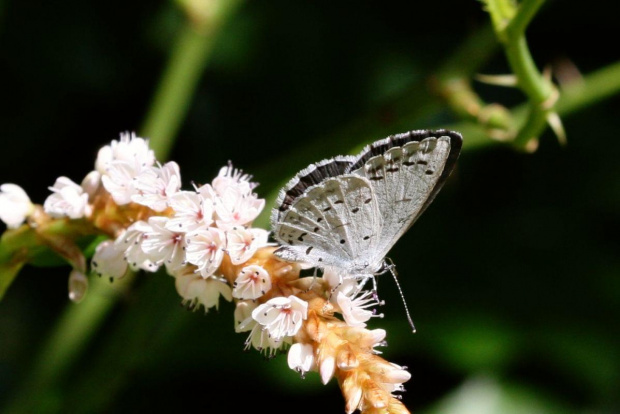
{"points": [[155, 185], [251, 283], [163, 246], [301, 358], [67, 200], [130, 242], [196, 290], [242, 243], [281, 317], [258, 338], [15, 205], [130, 149], [191, 211], [121, 162], [109, 261], [205, 249]]}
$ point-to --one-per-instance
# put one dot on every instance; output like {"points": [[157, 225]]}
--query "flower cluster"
{"points": [[204, 238]]}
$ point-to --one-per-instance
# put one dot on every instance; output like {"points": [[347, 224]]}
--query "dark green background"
{"points": [[512, 274]]}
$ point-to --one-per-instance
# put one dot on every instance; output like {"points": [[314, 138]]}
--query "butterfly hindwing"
{"points": [[335, 223]]}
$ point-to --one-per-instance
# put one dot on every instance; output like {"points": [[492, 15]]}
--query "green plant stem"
{"points": [[78, 323], [539, 91]]}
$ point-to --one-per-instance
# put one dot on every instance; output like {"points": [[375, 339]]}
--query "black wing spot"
{"points": [[327, 208], [320, 219], [408, 163], [355, 210], [429, 172], [422, 162], [393, 169], [342, 241], [366, 237], [316, 230], [338, 201], [309, 249], [367, 200], [301, 237]]}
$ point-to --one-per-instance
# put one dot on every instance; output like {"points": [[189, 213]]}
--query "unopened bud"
{"points": [[78, 285]]}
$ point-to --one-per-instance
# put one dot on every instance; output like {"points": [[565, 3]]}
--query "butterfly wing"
{"points": [[333, 223], [406, 171]]}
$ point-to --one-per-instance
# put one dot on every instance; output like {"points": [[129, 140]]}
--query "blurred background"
{"points": [[512, 275]]}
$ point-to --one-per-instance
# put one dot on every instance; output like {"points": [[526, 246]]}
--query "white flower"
{"points": [[118, 181], [15, 205], [78, 285], [67, 200], [163, 246], [281, 316], [121, 162], [301, 357], [232, 177], [156, 184], [251, 283], [259, 338], [205, 249], [130, 242], [130, 148], [109, 260], [355, 310], [191, 211], [196, 290], [234, 207], [242, 243], [90, 183]]}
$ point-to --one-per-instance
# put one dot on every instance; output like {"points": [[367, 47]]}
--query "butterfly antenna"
{"points": [[392, 269]]}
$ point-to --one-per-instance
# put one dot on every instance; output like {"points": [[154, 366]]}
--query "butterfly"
{"points": [[348, 211]]}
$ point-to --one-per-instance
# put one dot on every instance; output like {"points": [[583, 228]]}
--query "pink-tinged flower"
{"points": [[130, 149], [163, 246], [301, 358], [155, 185], [109, 261], [15, 205], [118, 180], [121, 162], [281, 316], [229, 177], [235, 208], [196, 290], [355, 309], [242, 243], [130, 242], [258, 338], [191, 211], [67, 200], [78, 285], [251, 283], [205, 249]]}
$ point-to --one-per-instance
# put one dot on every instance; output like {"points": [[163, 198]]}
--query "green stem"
{"points": [[78, 324], [539, 91], [525, 13]]}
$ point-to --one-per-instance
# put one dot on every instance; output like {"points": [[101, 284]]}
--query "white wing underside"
{"points": [[352, 220]]}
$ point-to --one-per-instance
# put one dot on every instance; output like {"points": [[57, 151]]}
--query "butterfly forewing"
{"points": [[405, 179], [334, 223]]}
